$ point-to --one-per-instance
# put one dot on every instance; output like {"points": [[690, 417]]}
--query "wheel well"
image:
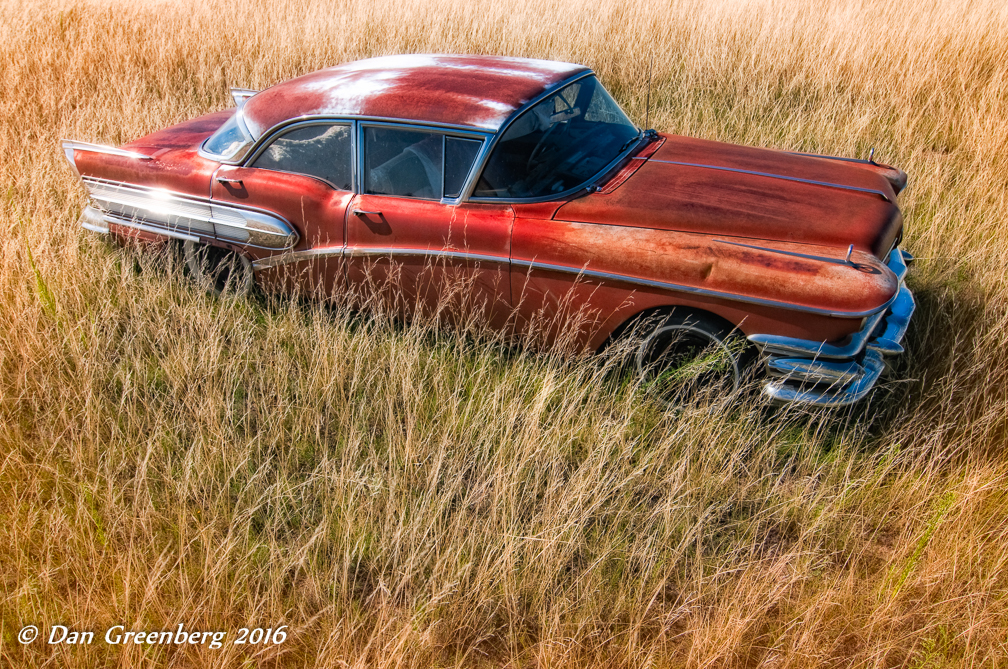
{"points": [[665, 310]]}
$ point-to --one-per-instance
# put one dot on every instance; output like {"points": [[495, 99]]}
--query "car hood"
{"points": [[712, 188]]}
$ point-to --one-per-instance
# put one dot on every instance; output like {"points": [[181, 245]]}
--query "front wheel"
{"points": [[219, 271], [687, 355]]}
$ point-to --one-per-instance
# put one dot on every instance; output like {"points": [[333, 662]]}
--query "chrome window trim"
{"points": [[241, 154], [482, 160], [249, 161], [377, 119], [488, 137], [448, 130], [469, 175], [463, 133]]}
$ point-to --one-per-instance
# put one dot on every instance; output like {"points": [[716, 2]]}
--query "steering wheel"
{"points": [[540, 146]]}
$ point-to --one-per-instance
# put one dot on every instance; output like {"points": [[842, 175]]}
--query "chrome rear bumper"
{"points": [[825, 375], [182, 216]]}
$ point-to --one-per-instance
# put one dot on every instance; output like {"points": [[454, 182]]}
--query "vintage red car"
{"points": [[527, 180]]}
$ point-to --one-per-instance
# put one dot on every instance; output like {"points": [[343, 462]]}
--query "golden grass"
{"points": [[409, 496]]}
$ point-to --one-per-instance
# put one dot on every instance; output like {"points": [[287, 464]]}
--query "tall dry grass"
{"points": [[411, 496]]}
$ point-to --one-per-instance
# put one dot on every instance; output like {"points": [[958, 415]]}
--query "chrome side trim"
{"points": [[100, 229], [297, 256], [372, 251], [358, 251], [693, 290], [177, 214], [793, 254], [148, 228], [771, 175], [580, 271], [69, 146]]}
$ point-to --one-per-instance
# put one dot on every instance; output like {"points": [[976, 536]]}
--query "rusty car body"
{"points": [[525, 177]]}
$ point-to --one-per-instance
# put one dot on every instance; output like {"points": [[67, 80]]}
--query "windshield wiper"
{"points": [[632, 140]]}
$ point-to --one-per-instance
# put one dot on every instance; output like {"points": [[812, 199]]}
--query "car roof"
{"points": [[471, 91]]}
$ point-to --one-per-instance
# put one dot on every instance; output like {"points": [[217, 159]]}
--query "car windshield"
{"points": [[230, 141], [558, 144]]}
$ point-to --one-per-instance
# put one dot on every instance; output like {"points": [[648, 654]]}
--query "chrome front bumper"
{"points": [[825, 375]]}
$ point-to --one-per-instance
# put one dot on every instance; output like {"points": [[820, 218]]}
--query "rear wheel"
{"points": [[690, 355], [219, 271]]}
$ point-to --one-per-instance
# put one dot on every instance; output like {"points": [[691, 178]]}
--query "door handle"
{"points": [[224, 181], [362, 212]]}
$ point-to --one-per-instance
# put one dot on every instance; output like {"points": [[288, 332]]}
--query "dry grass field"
{"points": [[413, 496]]}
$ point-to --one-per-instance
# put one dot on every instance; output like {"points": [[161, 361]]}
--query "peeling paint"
{"points": [[476, 91]]}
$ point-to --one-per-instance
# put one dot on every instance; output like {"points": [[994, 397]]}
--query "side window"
{"points": [[323, 150], [403, 162], [460, 154]]}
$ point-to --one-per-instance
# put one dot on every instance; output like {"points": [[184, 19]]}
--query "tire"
{"points": [[687, 355], [219, 271]]}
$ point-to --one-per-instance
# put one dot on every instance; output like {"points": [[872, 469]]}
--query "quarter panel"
{"points": [[175, 164], [316, 210]]}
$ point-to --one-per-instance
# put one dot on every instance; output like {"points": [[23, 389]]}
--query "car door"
{"points": [[305, 174], [410, 243]]}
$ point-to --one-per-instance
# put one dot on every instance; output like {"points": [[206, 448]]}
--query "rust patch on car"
{"points": [[476, 91]]}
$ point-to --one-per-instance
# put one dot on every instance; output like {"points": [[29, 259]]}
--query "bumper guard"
{"points": [[825, 375]]}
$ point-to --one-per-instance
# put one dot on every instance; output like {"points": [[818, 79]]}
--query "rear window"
{"points": [[230, 141], [324, 151]]}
